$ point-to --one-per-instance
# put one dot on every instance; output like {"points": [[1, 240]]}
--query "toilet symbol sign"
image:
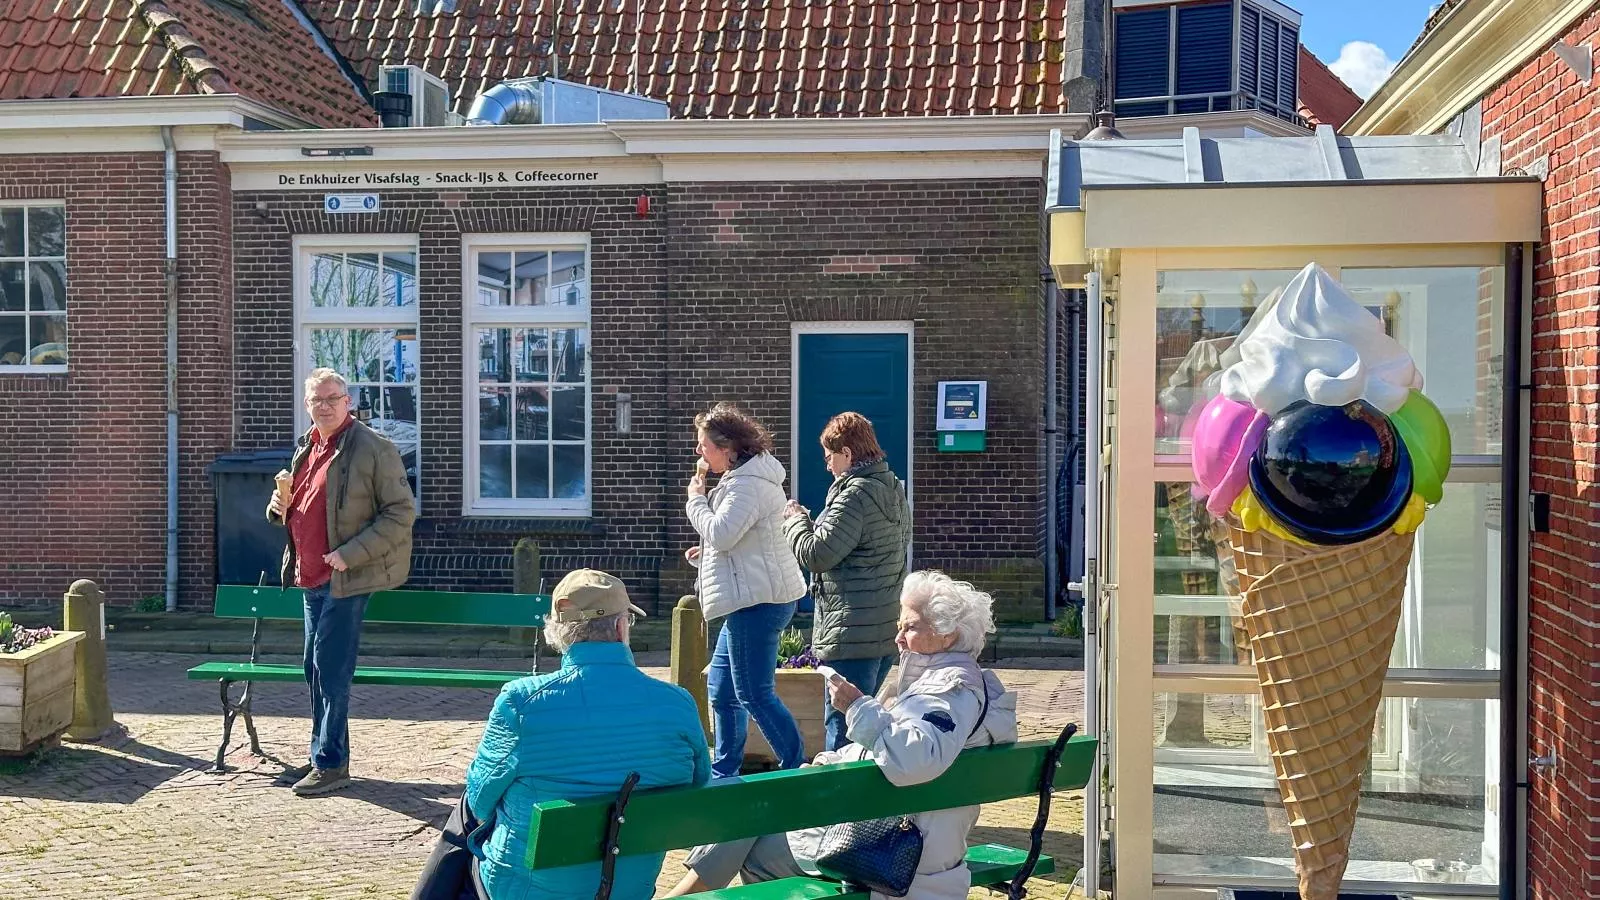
{"points": [[349, 203]]}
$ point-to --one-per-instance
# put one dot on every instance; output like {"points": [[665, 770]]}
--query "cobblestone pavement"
{"points": [[140, 818]]}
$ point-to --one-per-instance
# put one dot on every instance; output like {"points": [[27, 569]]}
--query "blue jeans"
{"points": [[333, 639], [742, 686], [867, 674]]}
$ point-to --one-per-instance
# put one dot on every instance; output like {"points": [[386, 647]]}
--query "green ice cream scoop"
{"points": [[1427, 439]]}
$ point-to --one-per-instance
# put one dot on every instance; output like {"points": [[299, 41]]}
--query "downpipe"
{"points": [[1090, 587], [170, 268]]}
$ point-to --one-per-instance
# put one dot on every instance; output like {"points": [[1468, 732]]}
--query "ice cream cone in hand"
{"points": [[285, 486], [1323, 455]]}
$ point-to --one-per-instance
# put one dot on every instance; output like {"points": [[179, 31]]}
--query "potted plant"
{"points": [[800, 689], [38, 678]]}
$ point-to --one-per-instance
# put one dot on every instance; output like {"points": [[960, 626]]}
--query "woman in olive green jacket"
{"points": [[857, 549]]}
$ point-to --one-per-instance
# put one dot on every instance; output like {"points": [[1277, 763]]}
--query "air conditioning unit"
{"points": [[429, 96]]}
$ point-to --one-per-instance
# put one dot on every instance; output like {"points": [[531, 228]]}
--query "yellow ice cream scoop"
{"points": [[1253, 516]]}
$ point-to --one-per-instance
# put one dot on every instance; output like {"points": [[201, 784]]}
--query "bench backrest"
{"points": [[564, 833], [242, 601]]}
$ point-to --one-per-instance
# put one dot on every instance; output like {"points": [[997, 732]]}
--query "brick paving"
{"points": [[140, 819]]}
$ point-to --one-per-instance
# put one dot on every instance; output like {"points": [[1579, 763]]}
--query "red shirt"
{"points": [[308, 510]]}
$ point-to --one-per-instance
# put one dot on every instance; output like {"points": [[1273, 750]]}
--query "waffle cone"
{"points": [[1321, 623]]}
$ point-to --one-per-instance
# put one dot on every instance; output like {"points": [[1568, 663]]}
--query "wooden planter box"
{"points": [[36, 693], [801, 691]]}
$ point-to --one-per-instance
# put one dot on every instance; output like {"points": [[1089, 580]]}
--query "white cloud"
{"points": [[1363, 65]]}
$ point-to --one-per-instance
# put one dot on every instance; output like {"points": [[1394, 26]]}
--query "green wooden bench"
{"points": [[564, 833], [410, 607]]}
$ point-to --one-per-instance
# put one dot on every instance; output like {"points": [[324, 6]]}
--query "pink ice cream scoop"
{"points": [[1225, 435]]}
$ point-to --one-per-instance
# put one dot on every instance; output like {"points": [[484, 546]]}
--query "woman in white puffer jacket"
{"points": [[748, 578], [941, 704]]}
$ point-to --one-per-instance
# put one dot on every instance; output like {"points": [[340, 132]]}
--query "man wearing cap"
{"points": [[576, 734]]}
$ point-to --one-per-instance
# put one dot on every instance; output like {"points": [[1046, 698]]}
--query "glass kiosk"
{"points": [[1177, 243]]}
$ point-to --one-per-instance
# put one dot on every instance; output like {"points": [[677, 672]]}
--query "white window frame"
{"points": [[66, 254], [307, 317], [474, 317]]}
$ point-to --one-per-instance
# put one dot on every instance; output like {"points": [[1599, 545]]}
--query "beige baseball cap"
{"points": [[590, 594]]}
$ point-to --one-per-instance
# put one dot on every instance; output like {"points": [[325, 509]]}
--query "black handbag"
{"points": [[880, 855]]}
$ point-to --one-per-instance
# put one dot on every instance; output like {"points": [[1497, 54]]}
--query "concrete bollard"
{"points": [[84, 609], [525, 579], [689, 656]]}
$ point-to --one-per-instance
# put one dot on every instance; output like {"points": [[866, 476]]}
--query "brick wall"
{"points": [[1544, 113], [693, 304], [83, 454]]}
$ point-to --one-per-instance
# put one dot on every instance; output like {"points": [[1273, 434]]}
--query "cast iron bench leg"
{"points": [[230, 711]]}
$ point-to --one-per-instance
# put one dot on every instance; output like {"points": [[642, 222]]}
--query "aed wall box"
{"points": [[962, 416]]}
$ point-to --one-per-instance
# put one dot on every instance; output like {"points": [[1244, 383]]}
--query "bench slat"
{"points": [[243, 601], [455, 678], [991, 864], [564, 833]]}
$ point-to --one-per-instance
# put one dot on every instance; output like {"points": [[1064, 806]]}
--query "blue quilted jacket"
{"points": [[575, 734]]}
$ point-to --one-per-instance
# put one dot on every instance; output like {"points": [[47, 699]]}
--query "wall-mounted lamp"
{"points": [[1069, 259], [1248, 292], [624, 413]]}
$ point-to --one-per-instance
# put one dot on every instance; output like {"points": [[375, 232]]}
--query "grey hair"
{"points": [[562, 635], [322, 376], [951, 607]]}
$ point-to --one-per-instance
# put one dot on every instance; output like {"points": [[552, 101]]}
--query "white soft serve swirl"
{"points": [[1317, 343]]}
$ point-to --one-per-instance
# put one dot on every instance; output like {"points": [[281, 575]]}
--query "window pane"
{"points": [[570, 481], [570, 347], [567, 414], [49, 337], [1218, 811], [327, 279], [13, 292], [569, 279], [493, 348], [328, 348], [13, 340], [533, 414], [533, 471], [494, 471], [1451, 613], [533, 354], [11, 231], [400, 408], [47, 233], [494, 413], [533, 276], [368, 350], [1452, 322], [400, 359], [364, 287], [494, 279], [47, 286], [399, 279], [366, 403], [1198, 316]]}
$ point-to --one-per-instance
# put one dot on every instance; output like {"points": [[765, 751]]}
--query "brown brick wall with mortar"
{"points": [[1543, 112], [959, 258], [692, 304], [83, 454]]}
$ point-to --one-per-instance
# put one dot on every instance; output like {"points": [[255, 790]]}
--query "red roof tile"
{"points": [[115, 48], [1324, 98], [729, 58]]}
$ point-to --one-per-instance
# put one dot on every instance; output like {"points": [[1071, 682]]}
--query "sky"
{"points": [[1361, 40]]}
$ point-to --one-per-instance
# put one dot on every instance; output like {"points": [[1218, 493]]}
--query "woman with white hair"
{"points": [[941, 703]]}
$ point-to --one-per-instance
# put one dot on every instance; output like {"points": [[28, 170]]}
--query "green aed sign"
{"points": [[962, 416]]}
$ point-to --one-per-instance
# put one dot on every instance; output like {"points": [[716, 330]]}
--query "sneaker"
{"points": [[321, 781]]}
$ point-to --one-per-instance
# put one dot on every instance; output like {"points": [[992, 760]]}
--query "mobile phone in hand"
{"points": [[829, 673]]}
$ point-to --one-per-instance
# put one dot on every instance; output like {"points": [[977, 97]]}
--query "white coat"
{"points": [[744, 558], [912, 742]]}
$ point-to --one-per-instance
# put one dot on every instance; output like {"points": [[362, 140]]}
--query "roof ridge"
{"points": [[207, 76]]}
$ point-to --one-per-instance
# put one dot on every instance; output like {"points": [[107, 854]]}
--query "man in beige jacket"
{"points": [[349, 510]]}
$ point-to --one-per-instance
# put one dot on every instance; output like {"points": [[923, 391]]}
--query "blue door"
{"points": [[866, 372]]}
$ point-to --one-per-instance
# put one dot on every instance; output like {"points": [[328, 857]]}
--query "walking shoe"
{"points": [[321, 781]]}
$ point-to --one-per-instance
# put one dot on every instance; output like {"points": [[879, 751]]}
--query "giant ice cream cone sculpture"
{"points": [[1322, 455]]}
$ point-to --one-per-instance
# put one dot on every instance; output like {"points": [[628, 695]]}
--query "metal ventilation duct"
{"points": [[516, 102], [550, 101]]}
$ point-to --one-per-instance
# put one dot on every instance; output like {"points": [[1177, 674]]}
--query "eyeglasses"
{"points": [[326, 402], [633, 619]]}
